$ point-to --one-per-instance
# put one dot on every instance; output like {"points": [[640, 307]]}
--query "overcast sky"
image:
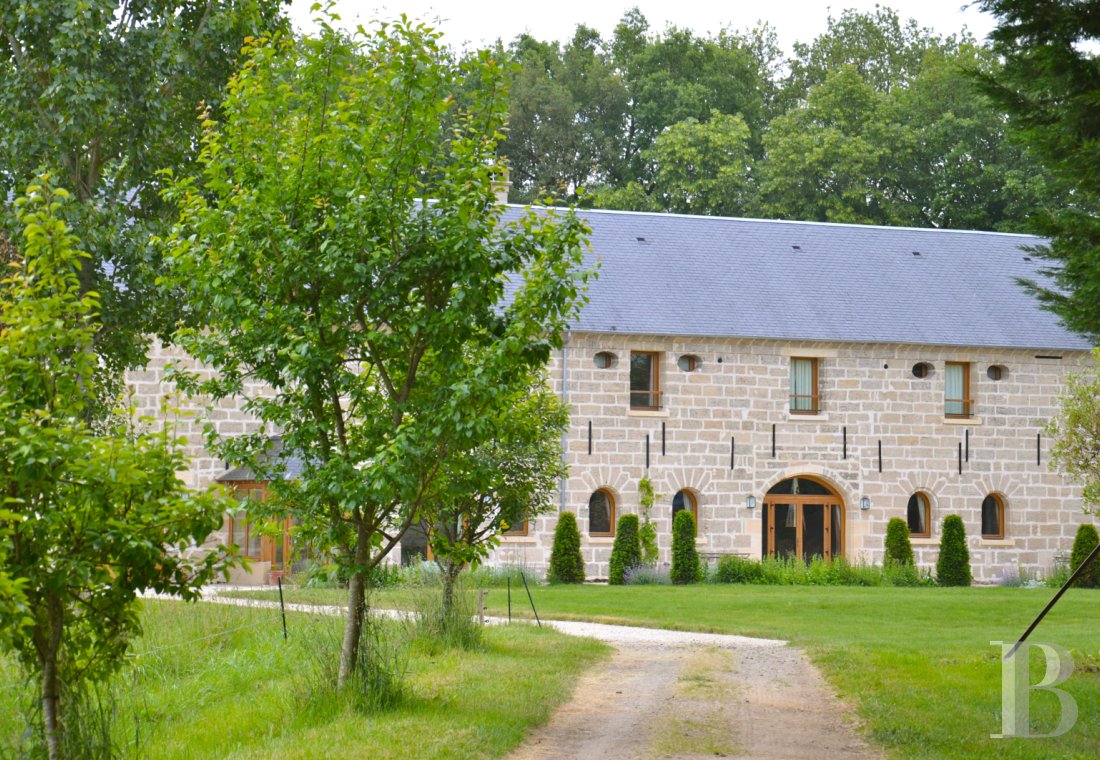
{"points": [[481, 23]]}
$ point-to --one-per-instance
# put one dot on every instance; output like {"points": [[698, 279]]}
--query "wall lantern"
{"points": [[750, 502], [864, 503]]}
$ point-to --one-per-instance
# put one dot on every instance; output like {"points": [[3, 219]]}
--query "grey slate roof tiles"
{"points": [[668, 274]]}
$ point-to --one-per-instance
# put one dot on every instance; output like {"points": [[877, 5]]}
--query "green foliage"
{"points": [[503, 481], [104, 95], [877, 120], [1076, 433], [647, 532], [566, 564], [685, 558], [1083, 544], [1049, 87], [626, 552], [953, 564], [97, 511], [439, 621], [362, 278], [773, 571], [899, 550]]}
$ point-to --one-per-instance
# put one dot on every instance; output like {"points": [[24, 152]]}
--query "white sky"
{"points": [[481, 23]]}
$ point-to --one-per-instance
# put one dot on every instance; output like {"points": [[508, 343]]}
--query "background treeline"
{"points": [[876, 121]]}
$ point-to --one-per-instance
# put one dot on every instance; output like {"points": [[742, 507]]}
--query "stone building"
{"points": [[796, 385]]}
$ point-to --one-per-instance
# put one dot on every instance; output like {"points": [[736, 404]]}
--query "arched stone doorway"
{"points": [[803, 517]]}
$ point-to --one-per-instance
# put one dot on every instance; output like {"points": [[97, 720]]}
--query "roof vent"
{"points": [[916, 253], [796, 247], [1027, 258], [640, 239]]}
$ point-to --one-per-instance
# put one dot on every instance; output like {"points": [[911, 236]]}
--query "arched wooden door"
{"points": [[803, 517]]}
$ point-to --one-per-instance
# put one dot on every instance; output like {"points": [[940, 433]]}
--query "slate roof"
{"points": [[669, 274], [292, 466]]}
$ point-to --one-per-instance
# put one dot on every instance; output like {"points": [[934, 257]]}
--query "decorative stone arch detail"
{"points": [[931, 490], [615, 480], [1003, 486], [829, 477], [698, 484]]}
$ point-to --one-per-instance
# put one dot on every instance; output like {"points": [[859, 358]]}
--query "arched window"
{"points": [[993, 517], [919, 513], [686, 500], [601, 514]]}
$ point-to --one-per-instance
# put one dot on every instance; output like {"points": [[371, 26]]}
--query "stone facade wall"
{"points": [[740, 391], [155, 398]]}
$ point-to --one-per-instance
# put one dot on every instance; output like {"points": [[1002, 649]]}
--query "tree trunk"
{"points": [[51, 683], [353, 630], [450, 569]]}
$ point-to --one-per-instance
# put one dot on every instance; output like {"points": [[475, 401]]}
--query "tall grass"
{"points": [[776, 571], [435, 627]]}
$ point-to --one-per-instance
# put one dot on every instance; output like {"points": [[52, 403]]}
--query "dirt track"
{"points": [[667, 694]]}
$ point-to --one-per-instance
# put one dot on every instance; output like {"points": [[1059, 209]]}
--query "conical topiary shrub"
{"points": [[626, 552], [953, 564], [1083, 544], [899, 550], [566, 564], [685, 558]]}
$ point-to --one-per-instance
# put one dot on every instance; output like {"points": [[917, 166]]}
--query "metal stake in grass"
{"points": [[282, 607], [523, 576], [1080, 569]]}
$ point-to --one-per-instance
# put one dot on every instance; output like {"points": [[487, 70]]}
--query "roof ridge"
{"points": [[666, 214]]}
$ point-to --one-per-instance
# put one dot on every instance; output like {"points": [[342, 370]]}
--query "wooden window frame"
{"points": [[921, 495], [525, 530], [815, 397], [268, 547], [611, 513], [654, 392], [1000, 517], [966, 401]]}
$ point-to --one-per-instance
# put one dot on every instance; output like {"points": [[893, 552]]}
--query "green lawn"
{"points": [[916, 663], [192, 693]]}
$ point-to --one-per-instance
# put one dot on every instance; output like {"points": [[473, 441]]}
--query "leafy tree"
{"points": [[685, 557], [104, 93], [1083, 544], [626, 552], [501, 482], [96, 512], [953, 564], [899, 550], [697, 168], [584, 114], [1049, 86], [566, 564], [354, 261], [956, 166], [886, 52], [827, 160], [1076, 433]]}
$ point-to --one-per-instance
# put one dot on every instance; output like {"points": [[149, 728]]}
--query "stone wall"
{"points": [[740, 391]]}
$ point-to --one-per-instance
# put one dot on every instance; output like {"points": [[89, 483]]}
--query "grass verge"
{"points": [[916, 663], [193, 692]]}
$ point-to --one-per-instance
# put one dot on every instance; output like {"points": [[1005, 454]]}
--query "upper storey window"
{"points": [[805, 398], [645, 392], [956, 389]]}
